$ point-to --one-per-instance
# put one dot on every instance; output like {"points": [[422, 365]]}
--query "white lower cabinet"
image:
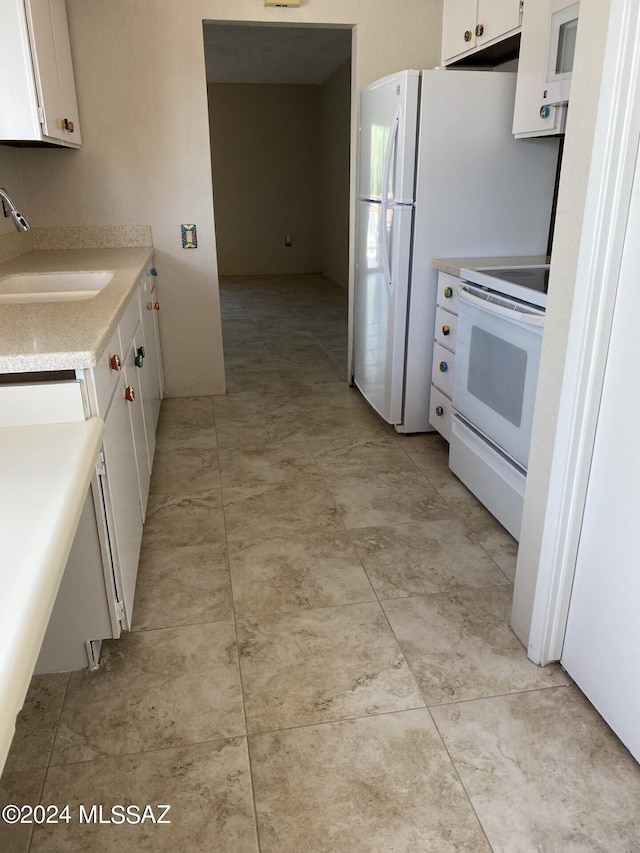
{"points": [[444, 357], [122, 499], [152, 380], [96, 596], [82, 608]]}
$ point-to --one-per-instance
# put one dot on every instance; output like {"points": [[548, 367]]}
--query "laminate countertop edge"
{"points": [[454, 266]]}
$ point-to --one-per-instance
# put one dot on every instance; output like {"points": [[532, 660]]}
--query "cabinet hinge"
{"points": [[100, 464], [41, 115], [121, 613]]}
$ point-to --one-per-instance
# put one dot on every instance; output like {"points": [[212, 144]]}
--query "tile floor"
{"points": [[321, 658]]}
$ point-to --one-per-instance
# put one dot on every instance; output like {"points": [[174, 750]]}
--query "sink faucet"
{"points": [[11, 210]]}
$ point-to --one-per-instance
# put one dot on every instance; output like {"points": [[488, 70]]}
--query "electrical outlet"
{"points": [[288, 241], [189, 237]]}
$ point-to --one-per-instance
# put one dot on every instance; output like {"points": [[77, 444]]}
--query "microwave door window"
{"points": [[497, 374], [566, 46]]}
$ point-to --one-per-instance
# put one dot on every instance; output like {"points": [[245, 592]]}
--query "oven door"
{"points": [[497, 361]]}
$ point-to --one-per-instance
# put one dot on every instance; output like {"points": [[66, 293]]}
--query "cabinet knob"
{"points": [[153, 306], [439, 411], [141, 352], [448, 292], [446, 330], [129, 393], [153, 271], [67, 124], [468, 35], [115, 362], [138, 360], [479, 30], [443, 367], [545, 111]]}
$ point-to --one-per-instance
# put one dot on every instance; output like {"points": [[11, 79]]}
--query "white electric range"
{"points": [[499, 336]]}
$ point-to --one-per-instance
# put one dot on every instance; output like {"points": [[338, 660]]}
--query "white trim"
{"points": [[610, 180]]}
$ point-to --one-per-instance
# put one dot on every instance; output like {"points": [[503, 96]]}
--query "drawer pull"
{"points": [[443, 367], [115, 362], [446, 330]]}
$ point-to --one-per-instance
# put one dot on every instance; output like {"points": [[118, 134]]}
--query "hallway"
{"points": [[321, 658]]}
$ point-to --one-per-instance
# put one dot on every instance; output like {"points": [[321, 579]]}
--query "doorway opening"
{"points": [[280, 131]]}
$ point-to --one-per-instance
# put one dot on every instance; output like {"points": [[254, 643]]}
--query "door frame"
{"points": [[616, 140]]}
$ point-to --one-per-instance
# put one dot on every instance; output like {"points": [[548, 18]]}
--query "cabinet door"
{"points": [[133, 374], [153, 379], [458, 20], [66, 79], [53, 71], [496, 18], [43, 51], [124, 511], [19, 110]]}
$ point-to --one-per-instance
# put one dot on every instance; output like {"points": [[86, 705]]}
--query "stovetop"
{"points": [[526, 283]]}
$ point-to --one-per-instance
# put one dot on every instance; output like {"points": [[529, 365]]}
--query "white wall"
{"points": [[11, 180], [335, 133], [145, 156], [264, 158], [585, 87], [280, 162]]}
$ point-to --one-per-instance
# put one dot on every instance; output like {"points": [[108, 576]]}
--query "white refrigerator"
{"points": [[439, 175]]}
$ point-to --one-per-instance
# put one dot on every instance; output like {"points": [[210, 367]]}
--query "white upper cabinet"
{"points": [[37, 86], [458, 27], [470, 25], [531, 115]]}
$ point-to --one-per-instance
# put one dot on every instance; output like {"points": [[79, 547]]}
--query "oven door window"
{"points": [[497, 374]]}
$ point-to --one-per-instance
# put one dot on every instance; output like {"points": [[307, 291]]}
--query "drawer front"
{"points": [[41, 403], [443, 365], [446, 328], [440, 413], [448, 291], [129, 322], [105, 376]]}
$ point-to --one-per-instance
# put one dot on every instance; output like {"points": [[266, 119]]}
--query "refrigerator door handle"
{"points": [[384, 206]]}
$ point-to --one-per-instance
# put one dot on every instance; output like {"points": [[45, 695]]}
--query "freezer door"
{"points": [[388, 129], [381, 307]]}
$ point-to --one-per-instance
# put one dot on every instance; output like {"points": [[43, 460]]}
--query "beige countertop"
{"points": [[454, 265], [72, 334]]}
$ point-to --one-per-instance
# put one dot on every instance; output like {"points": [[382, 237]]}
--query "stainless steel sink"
{"points": [[53, 287]]}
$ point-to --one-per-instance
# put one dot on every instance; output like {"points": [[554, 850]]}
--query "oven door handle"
{"points": [[494, 303]]}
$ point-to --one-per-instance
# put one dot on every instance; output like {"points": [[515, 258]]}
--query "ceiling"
{"points": [[255, 53]]}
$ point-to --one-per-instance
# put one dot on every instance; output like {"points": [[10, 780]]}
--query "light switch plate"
{"points": [[189, 237]]}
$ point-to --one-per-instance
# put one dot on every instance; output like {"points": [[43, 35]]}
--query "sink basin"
{"points": [[53, 287]]}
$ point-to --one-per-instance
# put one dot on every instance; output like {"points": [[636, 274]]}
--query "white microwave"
{"points": [[563, 28]]}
